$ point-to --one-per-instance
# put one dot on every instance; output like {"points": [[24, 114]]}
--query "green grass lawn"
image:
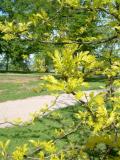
{"points": [[44, 129], [20, 86]]}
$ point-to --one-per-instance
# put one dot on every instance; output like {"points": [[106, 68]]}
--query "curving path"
{"points": [[11, 110]]}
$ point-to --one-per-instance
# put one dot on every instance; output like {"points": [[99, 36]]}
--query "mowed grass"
{"points": [[44, 129], [20, 86]]}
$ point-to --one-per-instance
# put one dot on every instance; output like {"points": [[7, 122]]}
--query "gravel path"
{"points": [[11, 110]]}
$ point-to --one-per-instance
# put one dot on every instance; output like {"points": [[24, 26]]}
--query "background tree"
{"points": [[55, 22]]}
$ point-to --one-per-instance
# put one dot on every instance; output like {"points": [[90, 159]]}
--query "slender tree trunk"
{"points": [[7, 63]]}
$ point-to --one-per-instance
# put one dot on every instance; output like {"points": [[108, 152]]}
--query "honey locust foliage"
{"points": [[69, 67], [98, 118]]}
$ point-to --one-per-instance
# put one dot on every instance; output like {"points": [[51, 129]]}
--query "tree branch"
{"points": [[76, 42]]}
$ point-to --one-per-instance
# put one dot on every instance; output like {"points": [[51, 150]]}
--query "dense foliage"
{"points": [[37, 28], [84, 39]]}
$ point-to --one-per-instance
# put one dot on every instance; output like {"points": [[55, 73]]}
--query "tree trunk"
{"points": [[7, 63]]}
